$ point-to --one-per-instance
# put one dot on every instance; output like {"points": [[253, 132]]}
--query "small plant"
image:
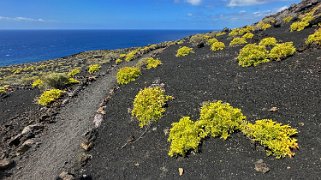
{"points": [[314, 38], [49, 96], [37, 83], [152, 63], [217, 46], [303, 22], [73, 81], [248, 35], [93, 68], [282, 51], [220, 34], [184, 136], [118, 61], [263, 26], [287, 19], [238, 41], [252, 55], [220, 119], [268, 42], [241, 31], [131, 55], [56, 80], [184, 51], [3, 90], [149, 105], [74, 72], [212, 41], [126, 75], [277, 138]]}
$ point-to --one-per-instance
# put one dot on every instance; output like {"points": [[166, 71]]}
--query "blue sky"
{"points": [[135, 14]]}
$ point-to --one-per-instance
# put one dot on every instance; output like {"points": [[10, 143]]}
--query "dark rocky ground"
{"points": [[292, 85]]}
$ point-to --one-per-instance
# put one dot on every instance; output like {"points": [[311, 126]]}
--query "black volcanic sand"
{"points": [[292, 85]]}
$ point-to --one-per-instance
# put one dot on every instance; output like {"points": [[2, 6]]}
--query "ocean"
{"points": [[25, 46]]}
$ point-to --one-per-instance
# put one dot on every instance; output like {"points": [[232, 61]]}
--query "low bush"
{"points": [[277, 138], [152, 63], [263, 26], [220, 34], [211, 41], [217, 46], [299, 26], [268, 42], [241, 31], [184, 51], [49, 96], [314, 38], [248, 35], [287, 19], [282, 51], [74, 72], [252, 55], [131, 55], [220, 119], [118, 61], [199, 39], [184, 137], [149, 105], [238, 41], [37, 83], [126, 75], [93, 68], [55, 80]]}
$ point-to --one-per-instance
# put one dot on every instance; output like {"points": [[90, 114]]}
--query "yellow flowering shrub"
{"points": [[152, 63], [212, 41], [149, 105], [93, 68], [49, 96], [263, 26], [220, 34], [268, 41], [303, 22], [118, 61], [184, 137], [126, 75], [184, 51], [282, 51], [74, 72], [238, 41], [287, 19], [277, 138], [314, 38], [220, 119], [37, 83], [131, 55], [248, 35], [252, 55], [217, 46]]}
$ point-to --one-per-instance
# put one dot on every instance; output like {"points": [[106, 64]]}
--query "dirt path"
{"points": [[60, 144]]}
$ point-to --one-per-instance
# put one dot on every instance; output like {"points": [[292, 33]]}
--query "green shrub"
{"points": [[49, 96], [152, 63], [212, 41], [220, 119], [252, 55], [74, 72], [238, 41], [37, 83], [93, 68], [263, 26], [217, 46], [275, 136], [282, 51], [118, 61], [184, 136], [287, 19], [199, 38], [269, 41], [184, 51], [56, 80], [149, 105], [248, 35], [220, 34], [126, 75], [314, 38]]}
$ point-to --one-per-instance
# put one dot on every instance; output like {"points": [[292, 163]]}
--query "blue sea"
{"points": [[24, 46]]}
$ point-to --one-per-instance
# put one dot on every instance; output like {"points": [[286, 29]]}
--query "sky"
{"points": [[135, 14]]}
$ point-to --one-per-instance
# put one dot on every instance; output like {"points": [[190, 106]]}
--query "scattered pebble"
{"points": [[5, 163], [262, 167], [288, 167], [98, 120], [274, 109], [301, 123], [180, 171]]}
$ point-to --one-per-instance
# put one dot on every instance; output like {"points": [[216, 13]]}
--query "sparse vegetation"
{"points": [[303, 22], [212, 41], [287, 19], [248, 35], [37, 83], [198, 39], [238, 41], [149, 105], [74, 72], [131, 55], [126, 75], [268, 42], [184, 51], [314, 38], [263, 26], [217, 46], [241, 31], [152, 63], [252, 55], [2, 90], [220, 34], [94, 68], [184, 136], [49, 96], [118, 61], [282, 51], [277, 138]]}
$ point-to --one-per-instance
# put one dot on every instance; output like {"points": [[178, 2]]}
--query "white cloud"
{"points": [[282, 8], [245, 2], [194, 2], [21, 19], [190, 14]]}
